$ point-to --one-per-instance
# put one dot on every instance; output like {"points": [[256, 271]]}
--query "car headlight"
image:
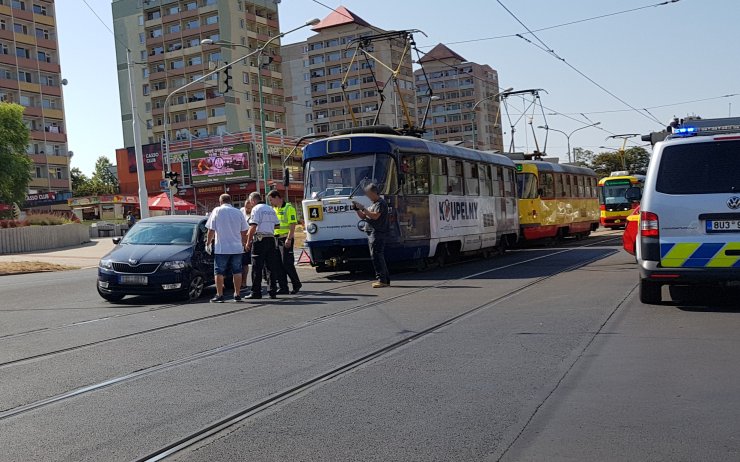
{"points": [[312, 228], [106, 264], [172, 265]]}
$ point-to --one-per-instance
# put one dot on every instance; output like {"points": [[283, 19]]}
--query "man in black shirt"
{"points": [[376, 217]]}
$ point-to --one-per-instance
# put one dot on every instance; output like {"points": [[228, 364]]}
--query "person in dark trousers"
{"points": [[261, 242], [377, 229], [285, 235], [246, 256]]}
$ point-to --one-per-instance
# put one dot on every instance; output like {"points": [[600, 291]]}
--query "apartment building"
{"points": [[457, 85], [318, 66], [30, 75], [166, 39], [298, 102]]}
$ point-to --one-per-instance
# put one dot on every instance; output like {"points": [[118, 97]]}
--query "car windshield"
{"points": [[344, 176], [700, 168], [161, 234]]}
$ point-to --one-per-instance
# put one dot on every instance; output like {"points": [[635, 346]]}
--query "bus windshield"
{"points": [[344, 176], [612, 192]]}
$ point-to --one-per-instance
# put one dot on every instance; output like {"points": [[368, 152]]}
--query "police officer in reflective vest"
{"points": [[285, 235], [261, 242]]}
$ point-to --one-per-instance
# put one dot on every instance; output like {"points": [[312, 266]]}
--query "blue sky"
{"points": [[653, 57]]}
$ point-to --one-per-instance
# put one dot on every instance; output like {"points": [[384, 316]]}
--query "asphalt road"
{"points": [[541, 354]]}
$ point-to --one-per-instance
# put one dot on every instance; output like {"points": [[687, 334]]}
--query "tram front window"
{"points": [[526, 185], [343, 176], [612, 193]]}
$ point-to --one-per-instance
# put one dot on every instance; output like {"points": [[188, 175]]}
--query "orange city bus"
{"points": [[615, 208]]}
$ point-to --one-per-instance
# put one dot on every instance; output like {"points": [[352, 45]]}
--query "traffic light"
{"points": [[227, 80]]}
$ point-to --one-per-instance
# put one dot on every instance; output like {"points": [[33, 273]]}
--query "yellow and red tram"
{"points": [[556, 200]]}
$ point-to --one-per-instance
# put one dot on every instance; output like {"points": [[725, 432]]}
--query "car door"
{"points": [[203, 261]]}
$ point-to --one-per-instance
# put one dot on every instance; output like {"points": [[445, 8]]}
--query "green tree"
{"points": [[80, 182], [583, 157], [633, 160], [15, 165]]}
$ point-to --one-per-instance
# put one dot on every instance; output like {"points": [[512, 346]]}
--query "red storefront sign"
{"points": [[152, 158]]}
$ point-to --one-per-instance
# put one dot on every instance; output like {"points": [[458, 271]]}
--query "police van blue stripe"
{"points": [[707, 251], [665, 248]]}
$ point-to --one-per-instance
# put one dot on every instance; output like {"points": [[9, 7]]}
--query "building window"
{"points": [[20, 28], [4, 49], [156, 14], [38, 172], [174, 28], [42, 34], [195, 61], [190, 6], [24, 76], [142, 38], [145, 89], [199, 115], [141, 20], [241, 23], [218, 111], [173, 10], [145, 73], [192, 24], [245, 77], [18, 5], [210, 20], [142, 55]]}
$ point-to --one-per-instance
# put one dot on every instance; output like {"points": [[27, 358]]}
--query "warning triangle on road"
{"points": [[304, 258]]}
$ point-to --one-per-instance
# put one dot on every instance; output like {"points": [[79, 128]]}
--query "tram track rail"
{"points": [[251, 306], [295, 391], [8, 413]]}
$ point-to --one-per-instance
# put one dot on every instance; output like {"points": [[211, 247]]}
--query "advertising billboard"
{"points": [[152, 158], [218, 165]]}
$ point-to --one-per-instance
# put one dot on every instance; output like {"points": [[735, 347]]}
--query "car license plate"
{"points": [[723, 226], [133, 280]]}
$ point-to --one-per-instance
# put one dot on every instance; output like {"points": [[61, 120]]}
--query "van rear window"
{"points": [[700, 168]]}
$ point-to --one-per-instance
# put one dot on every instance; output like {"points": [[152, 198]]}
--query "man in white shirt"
{"points": [[261, 242], [228, 226]]}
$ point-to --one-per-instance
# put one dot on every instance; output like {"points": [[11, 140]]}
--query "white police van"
{"points": [[690, 210]]}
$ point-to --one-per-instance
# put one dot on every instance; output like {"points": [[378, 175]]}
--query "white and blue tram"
{"points": [[444, 200]]}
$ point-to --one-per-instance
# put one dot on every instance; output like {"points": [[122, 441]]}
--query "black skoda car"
{"points": [[158, 255]]}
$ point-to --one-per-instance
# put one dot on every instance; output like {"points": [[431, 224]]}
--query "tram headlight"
{"points": [[312, 228], [362, 226]]}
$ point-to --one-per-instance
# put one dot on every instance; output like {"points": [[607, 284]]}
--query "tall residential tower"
{"points": [[460, 85], [318, 66], [30, 75], [166, 36]]}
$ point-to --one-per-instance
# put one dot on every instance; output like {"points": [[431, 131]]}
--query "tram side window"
{"points": [[455, 177], [498, 184], [509, 183], [416, 171], [439, 175], [566, 187], [470, 173], [559, 185], [548, 185], [486, 185], [581, 187]]}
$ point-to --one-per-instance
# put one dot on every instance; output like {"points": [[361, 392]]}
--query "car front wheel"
{"points": [[111, 297], [195, 288]]}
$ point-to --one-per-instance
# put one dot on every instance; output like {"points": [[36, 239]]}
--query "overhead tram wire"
{"points": [[612, 111], [480, 78], [549, 50], [556, 26]]}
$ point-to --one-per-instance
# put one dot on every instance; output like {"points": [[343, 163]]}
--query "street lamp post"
{"points": [[141, 178], [311, 22], [568, 135], [475, 106]]}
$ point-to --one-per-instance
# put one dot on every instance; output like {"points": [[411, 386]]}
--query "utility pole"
{"points": [[141, 178]]}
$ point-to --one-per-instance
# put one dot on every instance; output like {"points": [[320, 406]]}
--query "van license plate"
{"points": [[723, 226], [133, 280]]}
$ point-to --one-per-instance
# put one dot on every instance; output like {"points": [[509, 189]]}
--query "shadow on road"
{"points": [[706, 299]]}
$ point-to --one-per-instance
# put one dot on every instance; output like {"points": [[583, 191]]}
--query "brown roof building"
{"points": [[30, 75], [459, 85], [318, 66]]}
